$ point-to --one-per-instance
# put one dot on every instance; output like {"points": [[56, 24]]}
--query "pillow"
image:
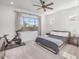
{"points": [[63, 34]]}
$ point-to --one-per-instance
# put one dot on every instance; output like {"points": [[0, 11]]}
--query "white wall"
{"points": [[7, 19], [43, 23], [7, 23], [29, 35], [61, 21]]}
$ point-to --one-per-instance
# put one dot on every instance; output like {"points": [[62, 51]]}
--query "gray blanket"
{"points": [[54, 40]]}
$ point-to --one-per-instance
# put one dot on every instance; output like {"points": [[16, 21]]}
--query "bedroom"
{"points": [[63, 17]]}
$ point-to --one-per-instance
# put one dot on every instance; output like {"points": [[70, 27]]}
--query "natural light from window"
{"points": [[68, 56], [29, 23]]}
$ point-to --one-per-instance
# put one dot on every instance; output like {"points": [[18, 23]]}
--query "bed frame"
{"points": [[51, 50]]}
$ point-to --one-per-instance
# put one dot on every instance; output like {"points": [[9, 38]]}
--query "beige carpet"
{"points": [[33, 51]]}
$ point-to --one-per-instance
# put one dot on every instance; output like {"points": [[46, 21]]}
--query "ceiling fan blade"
{"points": [[49, 8], [38, 8], [49, 4], [37, 5], [42, 2]]}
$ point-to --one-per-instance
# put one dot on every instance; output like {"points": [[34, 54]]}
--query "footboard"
{"points": [[48, 45]]}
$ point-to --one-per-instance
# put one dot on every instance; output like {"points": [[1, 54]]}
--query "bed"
{"points": [[54, 40]]}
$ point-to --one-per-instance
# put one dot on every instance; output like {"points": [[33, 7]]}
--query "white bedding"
{"points": [[60, 34]]}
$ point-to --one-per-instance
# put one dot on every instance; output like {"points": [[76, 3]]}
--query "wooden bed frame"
{"points": [[51, 50]]}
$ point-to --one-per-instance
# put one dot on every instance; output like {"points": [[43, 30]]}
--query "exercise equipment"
{"points": [[17, 40]]}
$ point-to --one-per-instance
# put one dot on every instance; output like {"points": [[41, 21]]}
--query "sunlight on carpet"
{"points": [[68, 56]]}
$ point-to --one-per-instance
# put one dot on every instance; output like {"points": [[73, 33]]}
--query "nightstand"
{"points": [[74, 41]]}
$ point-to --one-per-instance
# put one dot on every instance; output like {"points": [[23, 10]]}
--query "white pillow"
{"points": [[63, 34]]}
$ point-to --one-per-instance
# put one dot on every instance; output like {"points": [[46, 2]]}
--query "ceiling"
{"points": [[28, 4]]}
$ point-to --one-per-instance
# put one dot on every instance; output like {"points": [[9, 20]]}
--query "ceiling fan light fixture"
{"points": [[11, 2]]}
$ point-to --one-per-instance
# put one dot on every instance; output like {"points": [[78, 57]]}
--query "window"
{"points": [[29, 23]]}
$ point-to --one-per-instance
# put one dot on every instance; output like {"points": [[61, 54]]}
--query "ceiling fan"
{"points": [[44, 6]]}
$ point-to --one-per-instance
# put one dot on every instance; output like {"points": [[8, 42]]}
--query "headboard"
{"points": [[59, 31], [69, 34]]}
